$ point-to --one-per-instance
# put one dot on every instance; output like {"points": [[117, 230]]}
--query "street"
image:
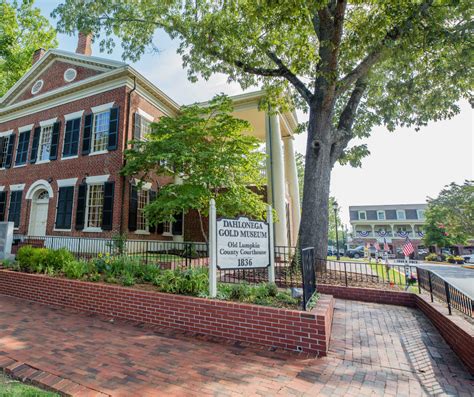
{"points": [[459, 277]]}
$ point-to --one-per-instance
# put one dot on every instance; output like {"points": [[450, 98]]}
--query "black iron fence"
{"points": [[173, 255], [444, 291]]}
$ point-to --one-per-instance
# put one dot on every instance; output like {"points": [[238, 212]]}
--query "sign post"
{"points": [[212, 250], [271, 268]]}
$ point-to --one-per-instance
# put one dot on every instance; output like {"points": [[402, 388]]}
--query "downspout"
{"points": [[127, 125], [271, 162]]}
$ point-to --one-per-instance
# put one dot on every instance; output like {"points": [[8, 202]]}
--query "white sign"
{"points": [[242, 244]]}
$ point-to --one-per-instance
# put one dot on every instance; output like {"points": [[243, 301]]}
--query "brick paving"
{"points": [[376, 350]]}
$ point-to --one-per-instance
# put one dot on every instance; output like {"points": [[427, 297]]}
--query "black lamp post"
{"points": [[334, 206]]}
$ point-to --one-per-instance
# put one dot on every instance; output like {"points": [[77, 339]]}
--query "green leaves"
{"points": [[22, 31], [450, 216], [210, 154]]}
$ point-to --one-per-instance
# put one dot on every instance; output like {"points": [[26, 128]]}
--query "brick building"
{"points": [[64, 127]]}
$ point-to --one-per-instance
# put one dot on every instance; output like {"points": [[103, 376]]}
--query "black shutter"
{"points": [[22, 149], [133, 209], [3, 205], [11, 145], [113, 129], [64, 209], [81, 206], [177, 227], [87, 134], [71, 137], [108, 208], [160, 228], [137, 126], [14, 211], [152, 197], [34, 146], [53, 153]]}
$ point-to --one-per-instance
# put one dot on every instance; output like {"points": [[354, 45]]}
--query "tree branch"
{"points": [[291, 77], [376, 54]]}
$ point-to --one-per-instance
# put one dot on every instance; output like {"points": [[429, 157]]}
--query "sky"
{"points": [[405, 166]]}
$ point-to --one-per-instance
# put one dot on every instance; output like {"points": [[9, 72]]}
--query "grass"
{"points": [[13, 388], [394, 276], [347, 259]]}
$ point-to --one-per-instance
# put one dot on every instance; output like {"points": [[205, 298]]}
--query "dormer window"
{"points": [[362, 216], [401, 215], [381, 215]]}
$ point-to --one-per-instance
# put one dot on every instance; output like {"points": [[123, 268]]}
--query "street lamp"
{"points": [[334, 206]]}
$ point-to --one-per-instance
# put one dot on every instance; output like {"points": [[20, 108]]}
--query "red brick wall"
{"points": [[53, 78], [369, 295], [458, 333], [287, 329]]}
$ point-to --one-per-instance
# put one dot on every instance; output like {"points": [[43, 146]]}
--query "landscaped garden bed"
{"points": [[121, 287]]}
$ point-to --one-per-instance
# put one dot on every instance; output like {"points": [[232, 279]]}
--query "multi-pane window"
{"points": [[142, 202], [3, 150], [362, 215], [167, 228], [144, 128], [100, 133], [401, 215], [95, 204], [22, 149], [381, 215], [420, 214], [45, 143]]}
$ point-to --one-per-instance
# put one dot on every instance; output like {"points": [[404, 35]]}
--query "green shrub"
{"points": [[431, 257], [75, 269], [188, 282], [128, 279], [57, 258], [150, 272], [25, 256]]}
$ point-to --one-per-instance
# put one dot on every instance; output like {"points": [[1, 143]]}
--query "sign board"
{"points": [[242, 244], [6, 239]]}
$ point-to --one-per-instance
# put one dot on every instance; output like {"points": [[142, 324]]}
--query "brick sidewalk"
{"points": [[375, 350]]}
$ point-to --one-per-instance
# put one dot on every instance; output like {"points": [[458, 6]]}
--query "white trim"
{"points": [[19, 186], [72, 116], [2, 188], [92, 230], [25, 128], [40, 86], [43, 161], [145, 115], [19, 165], [6, 133], [102, 108], [362, 212], [99, 152], [46, 123], [69, 157], [97, 179], [142, 232], [66, 182], [39, 183]]}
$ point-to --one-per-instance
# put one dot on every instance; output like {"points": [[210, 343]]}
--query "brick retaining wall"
{"points": [[288, 329], [458, 333]]}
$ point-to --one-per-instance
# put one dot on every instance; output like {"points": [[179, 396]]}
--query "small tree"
{"points": [[22, 31], [207, 149], [450, 216]]}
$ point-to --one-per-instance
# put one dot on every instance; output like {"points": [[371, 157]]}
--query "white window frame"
{"points": [[168, 229], [88, 228], [420, 218], [93, 137], [404, 217], [67, 117], [45, 124], [144, 189], [379, 212], [144, 118], [359, 215]]}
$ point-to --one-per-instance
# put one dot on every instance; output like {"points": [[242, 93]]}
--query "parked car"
{"points": [[468, 258], [356, 253]]}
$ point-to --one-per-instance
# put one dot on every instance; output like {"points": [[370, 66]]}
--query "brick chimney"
{"points": [[37, 55], [84, 44]]}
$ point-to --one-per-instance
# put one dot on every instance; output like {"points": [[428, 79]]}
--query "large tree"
{"points": [[22, 31], [208, 150], [351, 65], [450, 216]]}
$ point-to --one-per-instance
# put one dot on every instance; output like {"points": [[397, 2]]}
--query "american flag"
{"points": [[377, 246], [408, 247], [385, 245]]}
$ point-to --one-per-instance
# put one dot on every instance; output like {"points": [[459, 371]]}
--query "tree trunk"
{"points": [[317, 177]]}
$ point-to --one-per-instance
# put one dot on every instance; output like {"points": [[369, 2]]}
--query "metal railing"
{"points": [[444, 291]]}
